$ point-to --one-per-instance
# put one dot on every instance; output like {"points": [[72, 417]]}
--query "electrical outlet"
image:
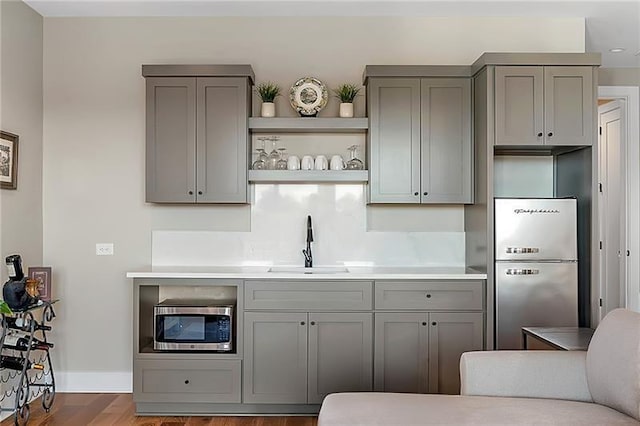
{"points": [[104, 249]]}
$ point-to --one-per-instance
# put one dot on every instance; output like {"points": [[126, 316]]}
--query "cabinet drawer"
{"points": [[309, 295], [429, 295], [187, 381]]}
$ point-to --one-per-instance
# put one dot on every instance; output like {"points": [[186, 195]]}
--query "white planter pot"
{"points": [[346, 110], [268, 109]]}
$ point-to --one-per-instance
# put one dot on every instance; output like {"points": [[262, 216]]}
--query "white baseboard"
{"points": [[94, 382]]}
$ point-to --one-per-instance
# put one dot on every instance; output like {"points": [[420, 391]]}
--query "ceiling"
{"points": [[609, 24]]}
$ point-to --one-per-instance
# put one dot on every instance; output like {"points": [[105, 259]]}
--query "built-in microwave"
{"points": [[193, 325]]}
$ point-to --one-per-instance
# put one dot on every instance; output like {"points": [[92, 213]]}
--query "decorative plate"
{"points": [[308, 96]]}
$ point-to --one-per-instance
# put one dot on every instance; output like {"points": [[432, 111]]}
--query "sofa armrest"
{"points": [[525, 374]]}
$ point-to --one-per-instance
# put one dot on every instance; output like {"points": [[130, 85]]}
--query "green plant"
{"points": [[346, 92], [268, 91], [4, 308]]}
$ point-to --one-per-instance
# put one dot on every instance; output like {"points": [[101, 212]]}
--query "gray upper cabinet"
{"points": [[544, 105], [420, 146], [171, 139], [222, 140], [569, 105], [197, 139], [394, 140], [446, 170]]}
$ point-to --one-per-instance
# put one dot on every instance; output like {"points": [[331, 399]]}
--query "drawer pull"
{"points": [[186, 382], [513, 271], [434, 323], [424, 323], [522, 250], [313, 323], [301, 322], [428, 296]]}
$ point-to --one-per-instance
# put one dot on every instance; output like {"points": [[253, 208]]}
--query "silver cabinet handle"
{"points": [[522, 250], [513, 271]]}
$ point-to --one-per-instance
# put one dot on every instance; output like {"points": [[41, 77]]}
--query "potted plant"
{"points": [[346, 93], [268, 92]]}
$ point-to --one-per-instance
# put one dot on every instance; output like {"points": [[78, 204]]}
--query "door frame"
{"points": [[630, 95]]}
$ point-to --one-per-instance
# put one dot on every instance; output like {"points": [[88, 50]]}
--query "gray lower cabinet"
{"points": [[419, 352], [420, 145], [544, 105], [275, 361], [197, 139], [299, 358], [340, 354], [204, 381]]}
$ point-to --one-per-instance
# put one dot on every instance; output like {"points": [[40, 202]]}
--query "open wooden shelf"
{"points": [[309, 176], [308, 125]]}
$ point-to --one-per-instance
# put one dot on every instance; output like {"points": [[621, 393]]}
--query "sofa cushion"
{"points": [[613, 362], [367, 408]]}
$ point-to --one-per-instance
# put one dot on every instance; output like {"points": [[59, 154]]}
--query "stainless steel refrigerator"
{"points": [[536, 270]]}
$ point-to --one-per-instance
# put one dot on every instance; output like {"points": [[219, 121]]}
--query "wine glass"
{"points": [[282, 162], [354, 163], [261, 162], [274, 155]]}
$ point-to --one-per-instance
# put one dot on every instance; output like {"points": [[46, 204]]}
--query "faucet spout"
{"points": [[308, 256]]}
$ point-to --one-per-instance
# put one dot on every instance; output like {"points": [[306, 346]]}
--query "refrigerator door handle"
{"points": [[522, 250], [515, 271]]}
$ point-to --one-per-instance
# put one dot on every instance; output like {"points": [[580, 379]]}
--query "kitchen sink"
{"points": [[312, 270]]}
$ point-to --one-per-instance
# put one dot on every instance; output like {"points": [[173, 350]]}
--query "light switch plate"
{"points": [[104, 249]]}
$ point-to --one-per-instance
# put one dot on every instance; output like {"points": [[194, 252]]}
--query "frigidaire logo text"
{"points": [[534, 211]]}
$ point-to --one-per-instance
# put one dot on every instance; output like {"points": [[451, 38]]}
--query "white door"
{"points": [[612, 206]]}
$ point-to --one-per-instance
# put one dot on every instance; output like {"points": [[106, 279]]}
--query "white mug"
{"points": [[337, 163], [293, 163], [307, 163], [321, 163]]}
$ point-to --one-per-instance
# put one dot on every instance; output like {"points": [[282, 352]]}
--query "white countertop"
{"points": [[354, 273]]}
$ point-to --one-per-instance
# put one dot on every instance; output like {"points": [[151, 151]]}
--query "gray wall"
{"points": [[94, 138], [21, 113]]}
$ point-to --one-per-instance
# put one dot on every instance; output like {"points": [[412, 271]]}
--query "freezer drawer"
{"points": [[536, 295], [535, 229]]}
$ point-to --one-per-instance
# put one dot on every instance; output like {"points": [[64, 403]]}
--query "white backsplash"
{"points": [[340, 229]]}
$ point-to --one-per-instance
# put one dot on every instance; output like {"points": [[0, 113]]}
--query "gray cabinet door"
{"points": [[222, 140], [519, 98], [275, 362], [401, 352], [394, 140], [171, 140], [569, 105], [340, 354], [446, 170], [451, 334]]}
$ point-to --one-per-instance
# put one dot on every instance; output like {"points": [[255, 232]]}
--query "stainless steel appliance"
{"points": [[193, 325], [536, 270]]}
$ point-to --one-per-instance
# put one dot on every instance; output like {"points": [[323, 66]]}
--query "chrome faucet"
{"points": [[308, 257]]}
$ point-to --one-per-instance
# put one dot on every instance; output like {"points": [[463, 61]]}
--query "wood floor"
{"points": [[75, 409]]}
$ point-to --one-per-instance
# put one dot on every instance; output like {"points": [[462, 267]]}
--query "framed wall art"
{"points": [[8, 160], [42, 274]]}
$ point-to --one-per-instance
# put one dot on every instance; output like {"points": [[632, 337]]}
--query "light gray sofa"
{"points": [[598, 387]]}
